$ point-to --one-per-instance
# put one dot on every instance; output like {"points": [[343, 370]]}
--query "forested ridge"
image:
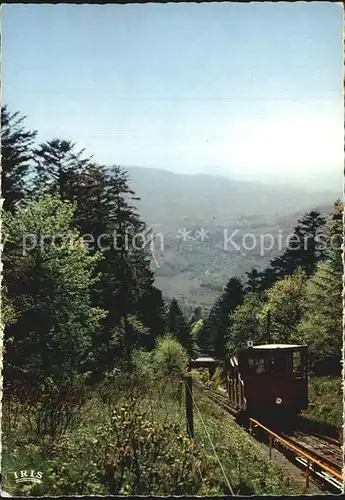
{"points": [[77, 315]]}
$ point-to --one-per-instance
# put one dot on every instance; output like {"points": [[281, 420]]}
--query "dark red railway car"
{"points": [[269, 378]]}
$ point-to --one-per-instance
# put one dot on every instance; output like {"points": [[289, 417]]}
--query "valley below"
{"points": [[209, 228]]}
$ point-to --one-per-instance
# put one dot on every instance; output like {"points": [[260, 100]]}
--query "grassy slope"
{"points": [[245, 462], [326, 400]]}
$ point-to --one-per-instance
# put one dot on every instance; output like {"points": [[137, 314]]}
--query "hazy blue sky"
{"points": [[248, 90]]}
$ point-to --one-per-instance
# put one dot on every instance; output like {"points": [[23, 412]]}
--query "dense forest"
{"points": [[82, 314]]}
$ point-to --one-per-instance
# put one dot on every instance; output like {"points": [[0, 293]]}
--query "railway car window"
{"points": [[296, 363], [256, 366], [279, 364], [260, 366]]}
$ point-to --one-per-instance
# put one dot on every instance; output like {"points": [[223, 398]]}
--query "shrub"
{"points": [[130, 455], [51, 412], [170, 359], [143, 367], [218, 377]]}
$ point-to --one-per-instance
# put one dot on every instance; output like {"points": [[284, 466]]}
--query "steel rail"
{"points": [[310, 459]]}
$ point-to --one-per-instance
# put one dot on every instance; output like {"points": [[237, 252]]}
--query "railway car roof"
{"points": [[277, 346], [203, 359]]}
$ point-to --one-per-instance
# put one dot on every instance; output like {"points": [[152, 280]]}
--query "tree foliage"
{"points": [[334, 230], [49, 284], [213, 336], [170, 358], [177, 325], [321, 327], [79, 297], [253, 281], [285, 306], [16, 158], [246, 324], [58, 167], [305, 250]]}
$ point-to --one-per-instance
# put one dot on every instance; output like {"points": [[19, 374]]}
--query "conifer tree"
{"points": [[304, 251], [176, 324], [334, 230], [127, 281], [16, 158], [215, 328], [311, 252], [94, 204], [152, 312], [231, 298], [58, 166], [253, 281], [322, 325], [196, 316]]}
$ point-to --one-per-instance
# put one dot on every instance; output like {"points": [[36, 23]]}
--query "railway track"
{"points": [[219, 398], [325, 454], [331, 452], [328, 467]]}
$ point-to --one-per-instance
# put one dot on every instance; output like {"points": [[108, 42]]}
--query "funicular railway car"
{"points": [[269, 379]]}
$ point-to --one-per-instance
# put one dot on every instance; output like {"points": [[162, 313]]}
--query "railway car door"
{"points": [[235, 385]]}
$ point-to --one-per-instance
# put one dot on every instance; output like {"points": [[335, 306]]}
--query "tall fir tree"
{"points": [[215, 328], [16, 158], [334, 230], [58, 166], [152, 311], [94, 203], [305, 250], [231, 298], [253, 283], [308, 230], [195, 316], [127, 281], [177, 325]]}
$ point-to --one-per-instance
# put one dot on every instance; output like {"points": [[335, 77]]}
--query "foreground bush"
{"points": [[47, 413], [130, 455], [132, 441]]}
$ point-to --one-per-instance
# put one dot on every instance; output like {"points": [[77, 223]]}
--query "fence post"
{"points": [[189, 406], [270, 439]]}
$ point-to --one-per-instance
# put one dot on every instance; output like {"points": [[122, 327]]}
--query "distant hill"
{"points": [[170, 199], [196, 270]]}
